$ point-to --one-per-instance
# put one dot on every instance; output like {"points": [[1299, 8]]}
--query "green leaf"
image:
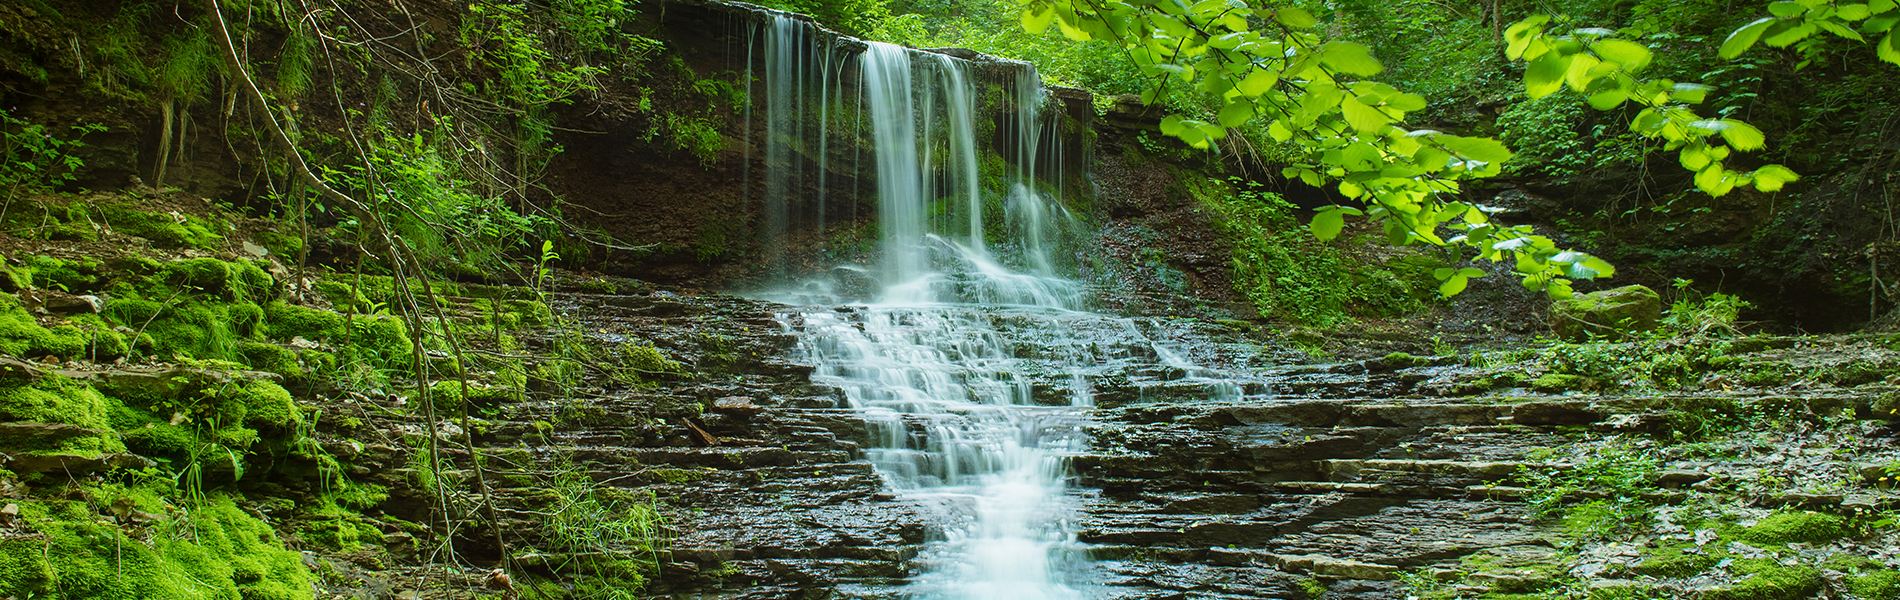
{"points": [[1295, 18], [1363, 118], [1171, 125], [1484, 149], [1840, 30], [1520, 34], [1431, 159], [1693, 93], [1258, 82], [1350, 58], [1578, 76], [1608, 99], [1853, 12], [1454, 285], [1631, 55], [1770, 178], [1405, 102], [1036, 21], [1739, 41], [1235, 114], [1889, 48], [1743, 136], [1327, 223], [1545, 74], [1786, 9], [1278, 130], [1694, 157], [1881, 6], [1783, 34], [1470, 272]]}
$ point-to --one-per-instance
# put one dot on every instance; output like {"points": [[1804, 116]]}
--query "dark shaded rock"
{"points": [[1555, 413]]}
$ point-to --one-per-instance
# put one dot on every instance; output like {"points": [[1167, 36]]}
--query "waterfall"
{"points": [[968, 368]]}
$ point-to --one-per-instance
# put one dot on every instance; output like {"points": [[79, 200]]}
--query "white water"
{"points": [[971, 367]]}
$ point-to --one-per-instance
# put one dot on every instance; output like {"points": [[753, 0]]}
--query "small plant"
{"points": [[31, 157], [1693, 314]]}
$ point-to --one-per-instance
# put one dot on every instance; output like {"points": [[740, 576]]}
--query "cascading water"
{"points": [[973, 367]]}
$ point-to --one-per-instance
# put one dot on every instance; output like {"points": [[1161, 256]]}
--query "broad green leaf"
{"points": [[1881, 6], [1484, 149], [1743, 136], [1745, 37], [1889, 48], [1278, 130], [1405, 102], [1174, 27], [1853, 12], [1782, 38], [1362, 117], [1608, 99], [1431, 159], [1521, 33], [1602, 267], [1454, 285], [1295, 18], [1258, 82], [1770, 178], [1786, 9], [1693, 93], [1074, 31], [1840, 30], [1470, 272], [1694, 157], [1578, 75], [1350, 58], [1545, 74], [1037, 21], [1710, 179], [1171, 125], [1327, 223], [1631, 55], [1236, 113]]}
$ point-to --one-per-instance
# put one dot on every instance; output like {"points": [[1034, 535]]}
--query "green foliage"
{"points": [[32, 158], [855, 17], [1288, 275], [1317, 96], [1692, 314], [1795, 23], [54, 398], [1620, 471], [235, 281], [614, 536], [436, 213], [1545, 134], [189, 59], [1607, 70]]}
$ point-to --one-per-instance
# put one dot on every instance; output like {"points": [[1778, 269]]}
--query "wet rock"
{"points": [[736, 406], [75, 464], [1555, 413]]}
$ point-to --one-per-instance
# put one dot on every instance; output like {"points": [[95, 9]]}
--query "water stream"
{"points": [[973, 367]]}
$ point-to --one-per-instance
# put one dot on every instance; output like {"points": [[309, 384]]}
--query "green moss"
{"points": [[188, 329], [234, 281], [1878, 584], [56, 399], [1796, 526], [1557, 382], [267, 406], [46, 272], [1768, 581], [678, 476], [271, 358], [285, 321], [163, 441], [1673, 562], [283, 246], [22, 335], [380, 342], [219, 553], [166, 230]]}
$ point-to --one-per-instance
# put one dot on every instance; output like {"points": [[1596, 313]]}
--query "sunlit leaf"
{"points": [[1631, 55], [1362, 117], [1350, 58], [1327, 223], [1770, 178], [1295, 18], [1037, 21]]}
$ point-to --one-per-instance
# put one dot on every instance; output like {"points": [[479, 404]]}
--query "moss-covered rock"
{"points": [[1878, 584], [1796, 526], [1559, 382], [166, 230], [288, 321], [229, 555], [234, 281], [22, 335], [51, 398], [1610, 313], [1767, 580]]}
